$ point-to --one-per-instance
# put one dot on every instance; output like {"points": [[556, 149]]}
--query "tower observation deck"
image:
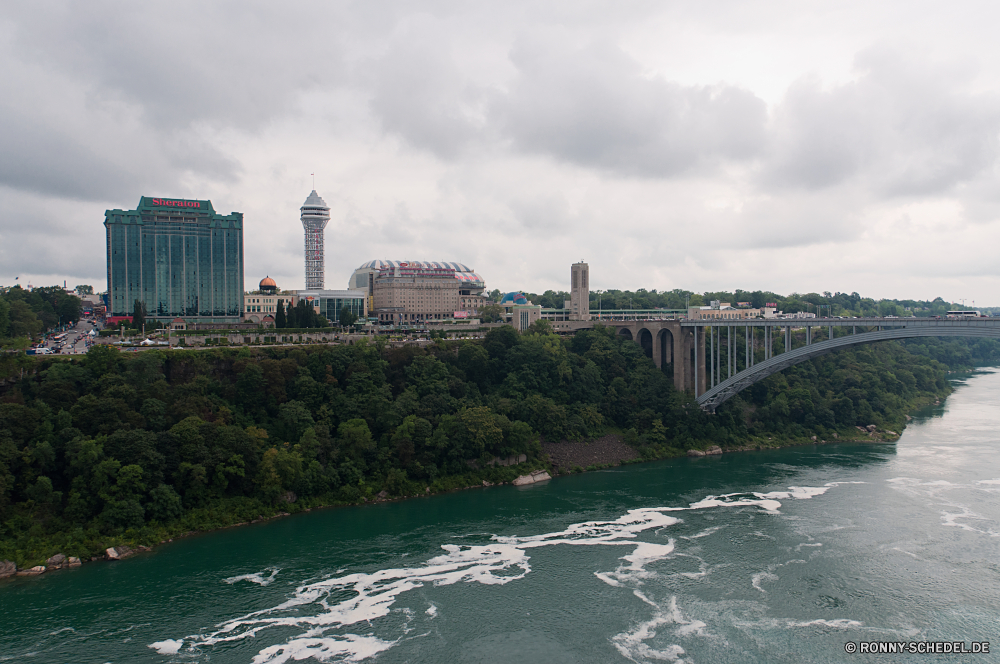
{"points": [[315, 216]]}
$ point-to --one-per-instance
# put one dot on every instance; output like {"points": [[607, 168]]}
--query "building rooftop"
{"points": [[514, 298], [378, 264], [315, 201]]}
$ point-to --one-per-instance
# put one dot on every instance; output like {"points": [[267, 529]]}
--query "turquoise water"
{"points": [[777, 556]]}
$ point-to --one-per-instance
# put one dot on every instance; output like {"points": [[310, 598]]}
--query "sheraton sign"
{"points": [[168, 203]]}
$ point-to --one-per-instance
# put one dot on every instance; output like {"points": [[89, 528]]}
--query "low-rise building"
{"points": [[265, 300], [722, 311], [330, 303]]}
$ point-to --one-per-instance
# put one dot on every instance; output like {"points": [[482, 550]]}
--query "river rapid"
{"points": [[774, 556]]}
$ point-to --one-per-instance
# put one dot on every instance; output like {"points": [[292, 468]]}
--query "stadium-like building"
{"points": [[406, 292]]}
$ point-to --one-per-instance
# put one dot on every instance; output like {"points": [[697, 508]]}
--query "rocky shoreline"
{"points": [[58, 561], [608, 450]]}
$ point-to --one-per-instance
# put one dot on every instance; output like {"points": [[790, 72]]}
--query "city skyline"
{"points": [[781, 148]]}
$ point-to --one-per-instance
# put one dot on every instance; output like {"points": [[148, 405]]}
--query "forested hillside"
{"points": [[115, 447]]}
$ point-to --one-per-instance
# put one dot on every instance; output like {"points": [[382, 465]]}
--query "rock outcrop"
{"points": [[7, 568], [73, 562], [57, 561], [34, 571], [536, 476], [509, 461], [118, 552], [714, 450]]}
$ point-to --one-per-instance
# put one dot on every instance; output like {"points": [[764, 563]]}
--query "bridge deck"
{"points": [[842, 322]]}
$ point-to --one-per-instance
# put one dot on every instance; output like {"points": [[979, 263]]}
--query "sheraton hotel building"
{"points": [[180, 257]]}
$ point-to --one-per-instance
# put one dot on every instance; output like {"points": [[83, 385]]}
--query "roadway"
{"points": [[77, 340]]}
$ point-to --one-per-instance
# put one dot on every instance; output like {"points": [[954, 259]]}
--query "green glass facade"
{"points": [[180, 257], [332, 302]]}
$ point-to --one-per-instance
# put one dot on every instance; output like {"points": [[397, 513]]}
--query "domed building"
{"points": [[513, 298], [263, 302], [409, 292]]}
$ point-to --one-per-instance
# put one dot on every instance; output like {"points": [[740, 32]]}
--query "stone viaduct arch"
{"points": [[671, 347]]}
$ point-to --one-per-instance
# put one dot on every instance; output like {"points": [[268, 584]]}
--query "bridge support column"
{"points": [[699, 353], [682, 359]]}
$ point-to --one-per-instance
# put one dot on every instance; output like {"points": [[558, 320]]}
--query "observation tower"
{"points": [[315, 216]]}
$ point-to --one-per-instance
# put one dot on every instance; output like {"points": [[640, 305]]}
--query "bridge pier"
{"points": [[684, 349]]}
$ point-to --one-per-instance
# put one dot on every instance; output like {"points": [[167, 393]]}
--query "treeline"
{"points": [[302, 316], [957, 354], [115, 447], [826, 303], [26, 314]]}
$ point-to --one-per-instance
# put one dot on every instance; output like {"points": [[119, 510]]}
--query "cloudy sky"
{"points": [[784, 145]]}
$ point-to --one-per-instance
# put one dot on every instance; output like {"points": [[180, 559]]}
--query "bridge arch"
{"points": [[727, 389], [665, 344], [645, 339], [625, 333]]}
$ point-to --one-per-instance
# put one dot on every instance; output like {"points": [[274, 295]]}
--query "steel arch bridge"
{"points": [[719, 391]]}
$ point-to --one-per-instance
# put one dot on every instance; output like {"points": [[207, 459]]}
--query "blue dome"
{"points": [[514, 298]]}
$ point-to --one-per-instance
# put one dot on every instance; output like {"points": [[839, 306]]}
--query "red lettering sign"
{"points": [[168, 203]]}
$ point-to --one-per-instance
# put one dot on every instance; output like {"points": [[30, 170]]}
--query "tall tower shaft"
{"points": [[579, 291], [315, 216]]}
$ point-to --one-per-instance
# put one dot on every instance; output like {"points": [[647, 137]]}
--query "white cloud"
{"points": [[784, 146]]}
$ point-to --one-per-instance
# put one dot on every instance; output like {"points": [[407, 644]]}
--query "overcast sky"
{"points": [[786, 145]]}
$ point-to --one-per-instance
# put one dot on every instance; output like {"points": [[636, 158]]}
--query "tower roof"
{"points": [[315, 201]]}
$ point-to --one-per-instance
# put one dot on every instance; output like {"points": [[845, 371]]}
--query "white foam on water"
{"points": [[342, 602], [704, 533], [799, 547], [756, 579], [632, 644], [255, 578], [839, 623], [952, 519], [995, 481], [168, 647], [348, 648], [60, 631]]}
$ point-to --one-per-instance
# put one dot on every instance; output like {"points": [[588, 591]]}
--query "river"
{"points": [[773, 556]]}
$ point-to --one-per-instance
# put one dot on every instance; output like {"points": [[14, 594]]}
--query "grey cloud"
{"points": [[43, 237], [421, 95], [44, 158], [595, 107], [904, 127], [233, 63]]}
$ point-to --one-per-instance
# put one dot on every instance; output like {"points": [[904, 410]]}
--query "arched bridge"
{"points": [[716, 345]]}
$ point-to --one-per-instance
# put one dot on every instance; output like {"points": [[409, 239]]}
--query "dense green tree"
{"points": [[138, 314], [280, 319], [347, 317]]}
